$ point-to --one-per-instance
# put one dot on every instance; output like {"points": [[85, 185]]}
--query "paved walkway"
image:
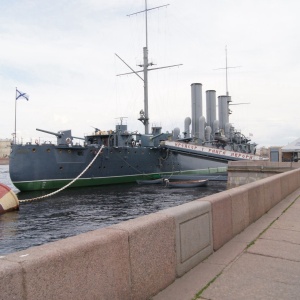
{"points": [[262, 262]]}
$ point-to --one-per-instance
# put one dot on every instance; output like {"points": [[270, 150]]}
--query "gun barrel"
{"points": [[79, 138], [53, 133]]}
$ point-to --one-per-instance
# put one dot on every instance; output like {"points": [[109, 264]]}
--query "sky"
{"points": [[62, 54]]}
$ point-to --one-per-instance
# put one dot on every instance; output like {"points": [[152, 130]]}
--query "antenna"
{"points": [[146, 17], [144, 116], [121, 119], [226, 68]]}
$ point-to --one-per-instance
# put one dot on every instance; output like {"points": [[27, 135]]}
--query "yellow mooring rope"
{"points": [[64, 187]]}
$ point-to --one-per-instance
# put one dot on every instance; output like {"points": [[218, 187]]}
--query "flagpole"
{"points": [[15, 137]]}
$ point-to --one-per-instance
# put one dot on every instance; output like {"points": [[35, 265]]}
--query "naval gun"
{"points": [[64, 137]]}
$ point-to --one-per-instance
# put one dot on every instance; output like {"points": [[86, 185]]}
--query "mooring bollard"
{"points": [[8, 199]]}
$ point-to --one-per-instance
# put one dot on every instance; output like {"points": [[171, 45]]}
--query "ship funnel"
{"points": [[196, 90], [207, 133], [228, 130], [223, 103], [216, 126], [201, 129], [211, 107], [187, 123], [176, 133]]}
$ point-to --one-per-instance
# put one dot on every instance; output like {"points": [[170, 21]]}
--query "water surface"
{"points": [[79, 210]]}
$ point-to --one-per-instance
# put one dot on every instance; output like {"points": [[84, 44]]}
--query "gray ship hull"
{"points": [[47, 166]]}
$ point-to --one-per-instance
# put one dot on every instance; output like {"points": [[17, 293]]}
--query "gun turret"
{"points": [[64, 137], [96, 129]]}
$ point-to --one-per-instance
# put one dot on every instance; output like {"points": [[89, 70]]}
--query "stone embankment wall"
{"points": [[138, 258], [242, 172], [5, 148], [4, 161]]}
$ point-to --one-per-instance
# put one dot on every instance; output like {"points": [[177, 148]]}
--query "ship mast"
{"points": [[144, 114], [226, 66], [227, 92], [226, 69], [145, 66]]}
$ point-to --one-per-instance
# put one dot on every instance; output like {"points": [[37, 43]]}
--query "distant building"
{"points": [[275, 154], [291, 152], [263, 152], [5, 148], [288, 153]]}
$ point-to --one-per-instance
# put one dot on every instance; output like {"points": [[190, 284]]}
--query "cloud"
{"points": [[62, 54]]}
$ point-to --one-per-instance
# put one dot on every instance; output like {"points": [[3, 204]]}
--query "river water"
{"points": [[79, 210]]}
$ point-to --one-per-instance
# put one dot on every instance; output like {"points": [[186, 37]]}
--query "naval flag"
{"points": [[21, 95]]}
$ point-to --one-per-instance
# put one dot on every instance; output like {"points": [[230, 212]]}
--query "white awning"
{"points": [[292, 147]]}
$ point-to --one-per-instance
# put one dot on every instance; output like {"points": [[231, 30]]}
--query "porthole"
{"points": [[48, 150], [60, 167], [33, 149]]}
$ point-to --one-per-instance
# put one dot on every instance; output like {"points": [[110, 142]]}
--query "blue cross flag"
{"points": [[22, 95]]}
